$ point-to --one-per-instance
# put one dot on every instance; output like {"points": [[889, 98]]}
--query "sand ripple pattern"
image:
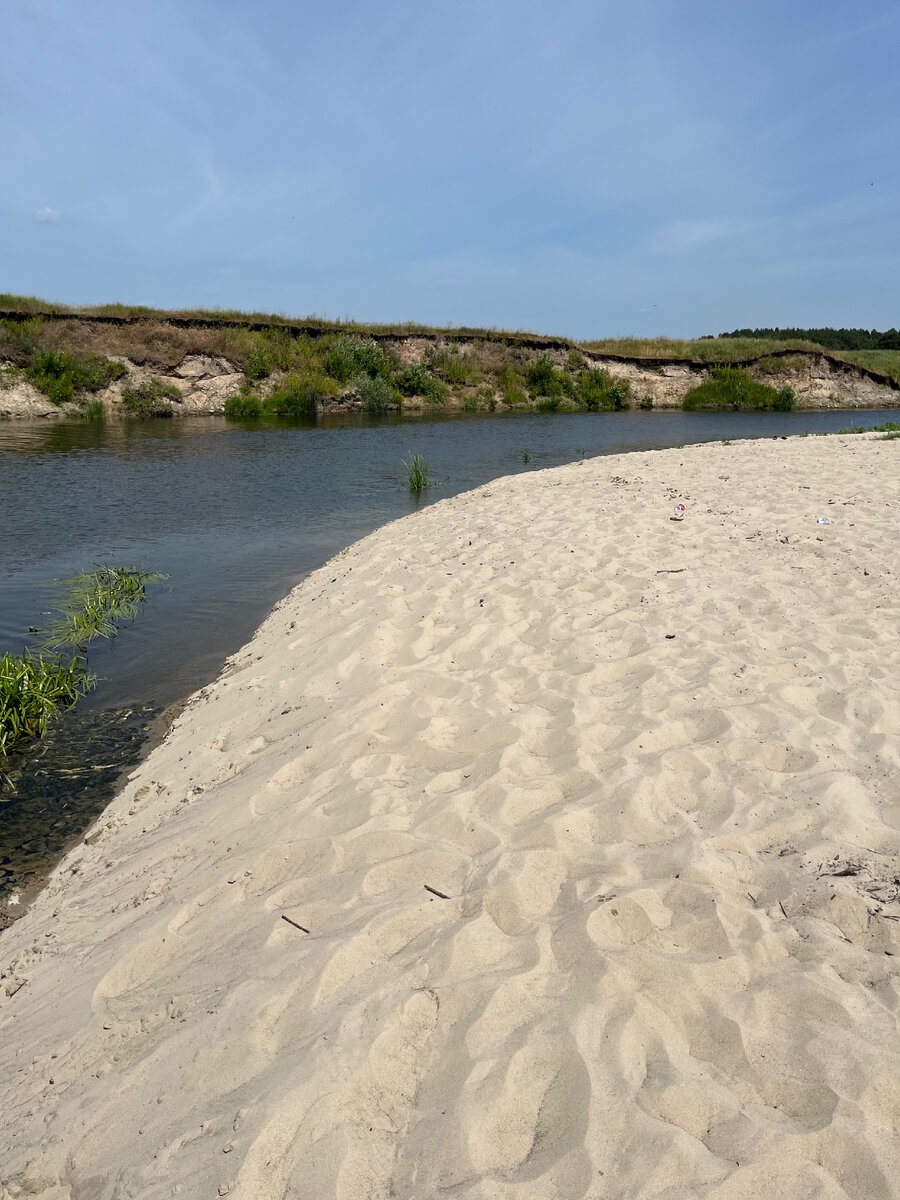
{"points": [[646, 768]]}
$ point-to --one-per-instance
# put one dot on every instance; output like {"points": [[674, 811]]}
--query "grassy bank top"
{"points": [[162, 337]]}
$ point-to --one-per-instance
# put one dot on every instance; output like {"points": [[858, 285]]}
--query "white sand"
{"points": [[653, 976]]}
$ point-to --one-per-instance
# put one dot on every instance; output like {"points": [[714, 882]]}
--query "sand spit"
{"points": [[538, 846]]}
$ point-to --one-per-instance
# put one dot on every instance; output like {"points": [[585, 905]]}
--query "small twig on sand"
{"points": [[302, 928], [435, 892], [671, 570], [783, 913]]}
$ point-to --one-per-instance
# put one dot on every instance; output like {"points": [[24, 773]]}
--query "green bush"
{"points": [[414, 380], [597, 389], [548, 404], [293, 398], [646, 403], [257, 365], [375, 393], [349, 356], [152, 398], [732, 387], [540, 376], [242, 406], [60, 376]]}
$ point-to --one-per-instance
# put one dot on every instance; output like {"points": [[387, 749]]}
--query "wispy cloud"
{"points": [[47, 214]]}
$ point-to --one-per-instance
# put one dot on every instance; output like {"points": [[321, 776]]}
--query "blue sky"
{"points": [[590, 169]]}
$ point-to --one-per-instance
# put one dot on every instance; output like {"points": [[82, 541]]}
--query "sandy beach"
{"points": [[540, 845]]}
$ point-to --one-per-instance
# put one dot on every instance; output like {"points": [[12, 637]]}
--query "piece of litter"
{"points": [[822, 521]]}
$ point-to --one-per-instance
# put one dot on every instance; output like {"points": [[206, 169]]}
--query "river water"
{"points": [[236, 514]]}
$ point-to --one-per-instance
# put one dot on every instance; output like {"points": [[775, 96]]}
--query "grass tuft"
{"points": [[417, 473]]}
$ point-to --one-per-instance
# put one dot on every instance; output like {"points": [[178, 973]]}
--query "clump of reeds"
{"points": [[417, 473]]}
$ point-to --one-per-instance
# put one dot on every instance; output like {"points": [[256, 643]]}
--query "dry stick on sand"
{"points": [[302, 928], [435, 892]]}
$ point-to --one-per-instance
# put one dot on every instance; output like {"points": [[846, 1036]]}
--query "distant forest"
{"points": [[831, 339]]}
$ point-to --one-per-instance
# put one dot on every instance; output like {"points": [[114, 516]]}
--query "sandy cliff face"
{"points": [[205, 382]]}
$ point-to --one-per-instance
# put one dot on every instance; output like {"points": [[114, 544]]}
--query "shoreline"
{"points": [[549, 777]]}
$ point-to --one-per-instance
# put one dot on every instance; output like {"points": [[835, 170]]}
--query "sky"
{"points": [[621, 167]]}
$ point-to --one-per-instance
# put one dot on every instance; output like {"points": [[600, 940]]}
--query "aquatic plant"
{"points": [[732, 387], [93, 603], [32, 690], [94, 411], [418, 475]]}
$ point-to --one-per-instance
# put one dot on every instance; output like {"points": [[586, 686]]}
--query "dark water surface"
{"points": [[236, 514]]}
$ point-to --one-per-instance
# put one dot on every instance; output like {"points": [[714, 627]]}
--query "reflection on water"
{"points": [[237, 513]]}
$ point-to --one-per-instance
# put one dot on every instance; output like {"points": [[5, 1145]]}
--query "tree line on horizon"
{"points": [[831, 339]]}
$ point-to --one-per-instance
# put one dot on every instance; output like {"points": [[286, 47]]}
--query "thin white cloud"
{"points": [[47, 214]]}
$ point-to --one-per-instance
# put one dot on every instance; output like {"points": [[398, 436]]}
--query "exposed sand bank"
{"points": [[666, 965]]}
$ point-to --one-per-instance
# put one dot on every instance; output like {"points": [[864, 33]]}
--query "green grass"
{"points": [[718, 350], [32, 691], [94, 411], [294, 397], [452, 365], [417, 473], [733, 388], [885, 361], [152, 398], [243, 406], [93, 603], [887, 427]]}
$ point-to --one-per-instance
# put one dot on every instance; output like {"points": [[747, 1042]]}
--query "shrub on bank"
{"points": [[414, 380], [375, 393], [152, 398], [243, 406], [733, 387], [349, 356], [257, 365], [61, 376], [294, 397], [597, 389]]}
